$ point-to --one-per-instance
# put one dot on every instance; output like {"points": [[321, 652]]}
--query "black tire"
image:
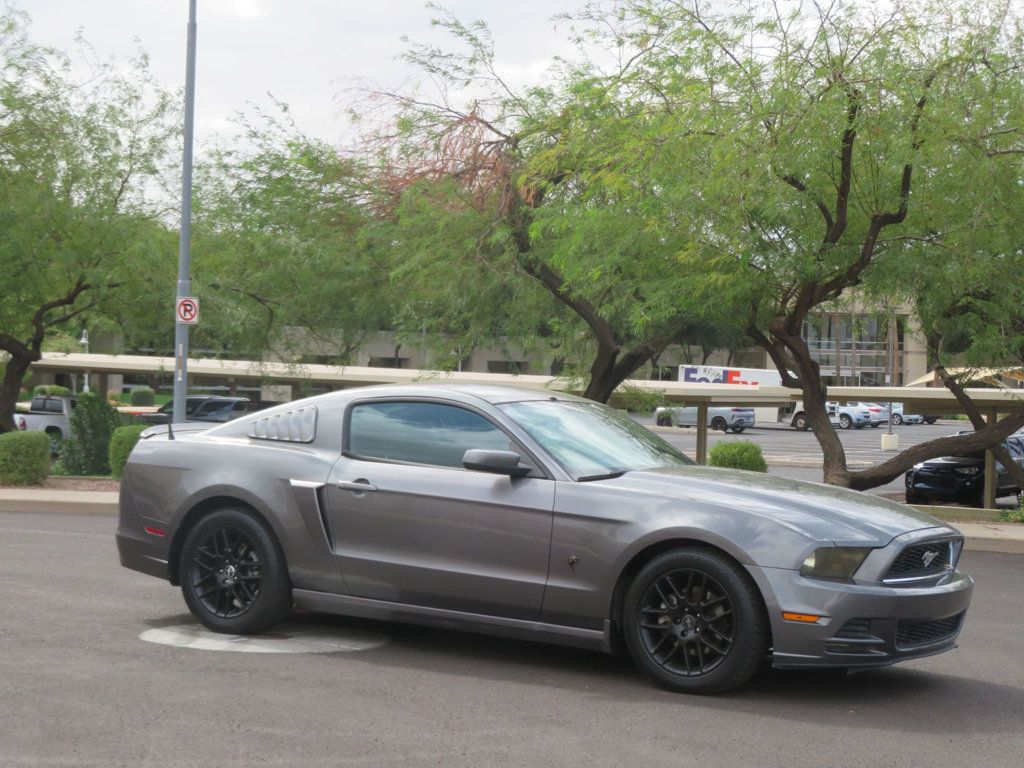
{"points": [[845, 422], [913, 498], [719, 423], [930, 419], [800, 422], [738, 429], [859, 426], [896, 419], [875, 424], [233, 574], [664, 420], [705, 591]]}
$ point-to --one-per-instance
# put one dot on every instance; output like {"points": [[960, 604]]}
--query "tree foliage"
{"points": [[75, 159]]}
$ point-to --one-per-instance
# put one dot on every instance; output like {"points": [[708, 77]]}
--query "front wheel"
{"points": [[664, 420], [738, 428], [845, 422], [896, 419], [800, 422], [233, 574], [694, 622], [719, 424], [930, 419]]}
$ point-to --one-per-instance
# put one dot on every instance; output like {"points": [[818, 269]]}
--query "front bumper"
{"points": [[863, 626]]}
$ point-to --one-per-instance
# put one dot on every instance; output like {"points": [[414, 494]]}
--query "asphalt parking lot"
{"points": [[783, 445], [79, 688]]}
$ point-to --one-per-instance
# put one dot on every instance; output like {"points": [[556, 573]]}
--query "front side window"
{"points": [[421, 433], [592, 441]]}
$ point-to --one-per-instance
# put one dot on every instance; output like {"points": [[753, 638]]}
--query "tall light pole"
{"points": [[185, 238], [84, 341]]}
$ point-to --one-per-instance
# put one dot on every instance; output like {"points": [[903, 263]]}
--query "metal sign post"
{"points": [[185, 239]]}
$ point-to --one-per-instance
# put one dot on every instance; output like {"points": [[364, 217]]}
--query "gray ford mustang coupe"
{"points": [[538, 516]]}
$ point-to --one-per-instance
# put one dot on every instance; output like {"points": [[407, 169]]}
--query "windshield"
{"points": [[592, 441]]}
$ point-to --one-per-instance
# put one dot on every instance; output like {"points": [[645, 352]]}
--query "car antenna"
{"points": [[170, 430]]}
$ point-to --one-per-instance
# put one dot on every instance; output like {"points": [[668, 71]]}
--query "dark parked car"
{"points": [[534, 515], [211, 408], [961, 479]]}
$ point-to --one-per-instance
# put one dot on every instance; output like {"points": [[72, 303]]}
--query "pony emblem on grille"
{"points": [[929, 556]]}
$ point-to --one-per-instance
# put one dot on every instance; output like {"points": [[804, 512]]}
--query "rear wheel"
{"points": [[845, 422], [719, 423], [738, 428], [896, 419], [664, 420], [930, 419], [233, 574], [800, 422], [913, 498], [694, 622]]}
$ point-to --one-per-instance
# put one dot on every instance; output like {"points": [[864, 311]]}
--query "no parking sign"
{"points": [[186, 310]]}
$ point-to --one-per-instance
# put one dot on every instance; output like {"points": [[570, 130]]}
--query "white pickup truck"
{"points": [[48, 414]]}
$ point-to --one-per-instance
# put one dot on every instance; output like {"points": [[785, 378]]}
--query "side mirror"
{"points": [[495, 462]]}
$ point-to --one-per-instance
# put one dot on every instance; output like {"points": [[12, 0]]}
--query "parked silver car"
{"points": [[538, 516], [722, 419]]}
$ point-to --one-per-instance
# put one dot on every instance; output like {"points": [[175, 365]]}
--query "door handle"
{"points": [[356, 485]]}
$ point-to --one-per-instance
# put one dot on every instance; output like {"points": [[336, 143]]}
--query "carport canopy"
{"points": [[923, 400]]}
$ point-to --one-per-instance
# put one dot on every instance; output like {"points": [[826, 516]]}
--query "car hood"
{"points": [[821, 511], [954, 461]]}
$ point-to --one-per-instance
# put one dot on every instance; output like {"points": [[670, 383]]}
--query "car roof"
{"points": [[491, 393]]}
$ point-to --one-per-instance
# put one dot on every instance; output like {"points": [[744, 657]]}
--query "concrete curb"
{"points": [[65, 502], [979, 536]]}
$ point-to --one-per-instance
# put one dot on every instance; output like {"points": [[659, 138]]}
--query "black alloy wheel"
{"points": [[695, 623], [232, 573], [719, 423]]}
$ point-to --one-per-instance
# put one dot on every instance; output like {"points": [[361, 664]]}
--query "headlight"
{"points": [[967, 470], [834, 562]]}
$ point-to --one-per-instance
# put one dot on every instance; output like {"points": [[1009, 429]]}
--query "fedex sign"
{"points": [[710, 374]]}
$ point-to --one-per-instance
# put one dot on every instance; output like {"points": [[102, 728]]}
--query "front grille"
{"points": [[922, 560], [914, 634]]}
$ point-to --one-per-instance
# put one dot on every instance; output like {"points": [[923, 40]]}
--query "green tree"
{"points": [[528, 180], [846, 141], [76, 158]]}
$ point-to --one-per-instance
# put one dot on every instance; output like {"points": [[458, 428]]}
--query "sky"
{"points": [[307, 53]]}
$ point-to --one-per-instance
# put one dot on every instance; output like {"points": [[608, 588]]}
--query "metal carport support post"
{"points": [[991, 481], [702, 433]]}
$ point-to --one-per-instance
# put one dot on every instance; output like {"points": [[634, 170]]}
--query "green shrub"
{"points": [[121, 444], [738, 454], [54, 390], [24, 458], [143, 396], [87, 451]]}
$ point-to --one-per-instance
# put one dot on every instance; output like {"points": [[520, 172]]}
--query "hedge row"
{"points": [[121, 444], [24, 458]]}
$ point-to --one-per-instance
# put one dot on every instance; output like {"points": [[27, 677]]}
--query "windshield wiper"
{"points": [[605, 476]]}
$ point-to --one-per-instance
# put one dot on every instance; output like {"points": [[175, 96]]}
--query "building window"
{"points": [[507, 366], [389, 362]]}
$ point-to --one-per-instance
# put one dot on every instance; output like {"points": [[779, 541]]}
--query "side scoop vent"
{"points": [[298, 426]]}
